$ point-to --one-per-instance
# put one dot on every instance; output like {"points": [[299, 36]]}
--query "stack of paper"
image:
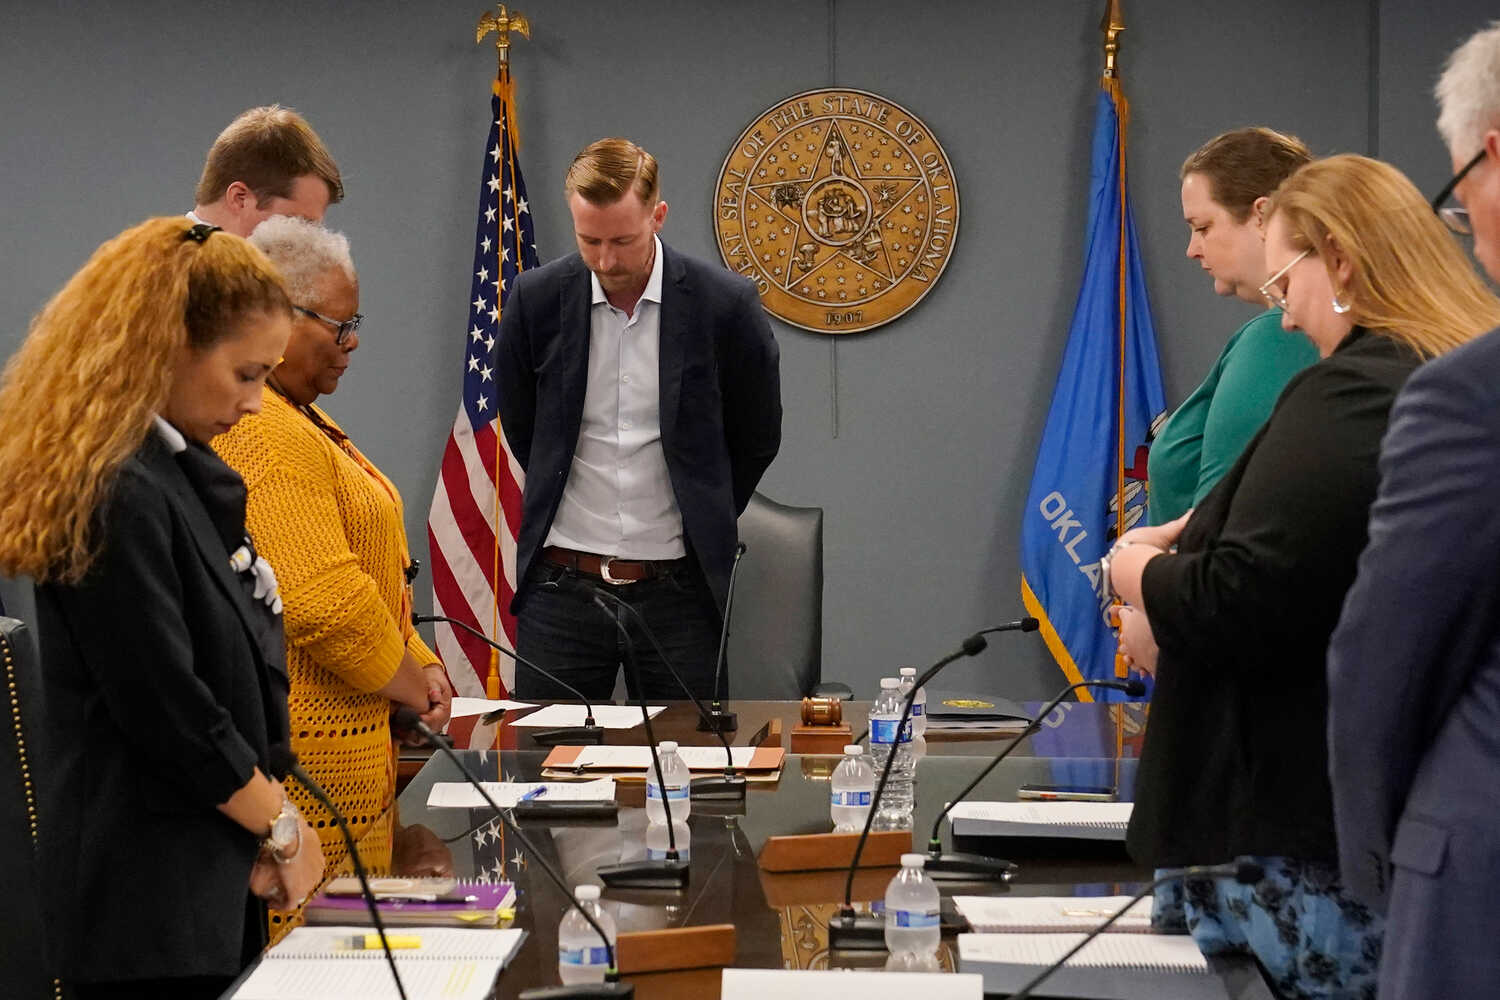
{"points": [[1052, 914], [1063, 820], [1110, 967], [462, 795]]}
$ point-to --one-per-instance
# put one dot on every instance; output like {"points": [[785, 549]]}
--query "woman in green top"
{"points": [[1225, 186]]}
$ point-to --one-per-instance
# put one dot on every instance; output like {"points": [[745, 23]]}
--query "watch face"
{"points": [[284, 831]]}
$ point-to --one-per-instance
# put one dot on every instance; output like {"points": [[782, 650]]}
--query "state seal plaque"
{"points": [[842, 208]]}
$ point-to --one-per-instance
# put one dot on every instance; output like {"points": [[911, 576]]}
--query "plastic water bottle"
{"points": [[581, 957], [913, 910], [887, 737], [677, 790], [918, 704], [852, 786]]}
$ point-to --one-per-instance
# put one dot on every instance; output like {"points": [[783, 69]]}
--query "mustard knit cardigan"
{"points": [[331, 526]]}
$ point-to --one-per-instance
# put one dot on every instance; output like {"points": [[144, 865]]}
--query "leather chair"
{"points": [[25, 967], [776, 622]]}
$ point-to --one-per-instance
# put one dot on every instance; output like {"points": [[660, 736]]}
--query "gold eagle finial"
{"points": [[502, 24]]}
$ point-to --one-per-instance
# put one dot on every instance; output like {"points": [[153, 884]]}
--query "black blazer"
{"points": [[720, 385], [1236, 753], [164, 685]]}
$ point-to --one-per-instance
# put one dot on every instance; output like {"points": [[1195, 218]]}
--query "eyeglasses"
{"points": [[342, 328], [1272, 293], [1456, 217]]}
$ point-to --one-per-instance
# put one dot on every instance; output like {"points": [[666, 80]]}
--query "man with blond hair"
{"points": [[1414, 667], [640, 391], [269, 161]]}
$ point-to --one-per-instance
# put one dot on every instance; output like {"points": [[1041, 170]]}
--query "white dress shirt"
{"points": [[618, 500]]}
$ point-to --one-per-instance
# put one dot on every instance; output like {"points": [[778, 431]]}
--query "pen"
{"points": [[371, 942], [535, 793]]}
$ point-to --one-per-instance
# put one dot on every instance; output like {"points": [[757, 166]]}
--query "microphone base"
{"points": [[572, 735], [580, 991], [721, 787], [958, 867], [719, 721], [856, 933], [646, 875]]}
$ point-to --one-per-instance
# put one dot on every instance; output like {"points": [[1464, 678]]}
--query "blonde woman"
{"points": [[161, 833], [1236, 758]]}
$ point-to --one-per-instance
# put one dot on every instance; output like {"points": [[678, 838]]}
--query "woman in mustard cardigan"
{"points": [[332, 525]]}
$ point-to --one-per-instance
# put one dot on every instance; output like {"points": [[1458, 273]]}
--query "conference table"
{"points": [[780, 920]]}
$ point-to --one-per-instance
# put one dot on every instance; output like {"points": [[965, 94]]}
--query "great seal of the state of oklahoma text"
{"points": [[841, 206]]}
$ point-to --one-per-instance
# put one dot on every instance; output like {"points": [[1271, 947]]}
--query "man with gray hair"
{"points": [[1414, 667]]}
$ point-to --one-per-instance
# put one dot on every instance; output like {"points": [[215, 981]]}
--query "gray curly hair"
{"points": [[303, 252], [1468, 92]]}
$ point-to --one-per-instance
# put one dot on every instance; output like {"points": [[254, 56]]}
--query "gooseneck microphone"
{"points": [[589, 732], [406, 717], [976, 867], [730, 786], [670, 872], [1027, 624], [846, 931], [718, 719], [1245, 871], [283, 760]]}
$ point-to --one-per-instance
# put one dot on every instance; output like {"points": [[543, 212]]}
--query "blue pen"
{"points": [[535, 793]]}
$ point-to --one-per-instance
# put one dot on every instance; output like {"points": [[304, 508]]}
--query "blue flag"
{"points": [[1090, 478]]}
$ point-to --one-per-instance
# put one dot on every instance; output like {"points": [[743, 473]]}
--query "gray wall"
{"points": [[109, 108]]}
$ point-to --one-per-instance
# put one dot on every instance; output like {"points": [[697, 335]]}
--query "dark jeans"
{"points": [[561, 628]]}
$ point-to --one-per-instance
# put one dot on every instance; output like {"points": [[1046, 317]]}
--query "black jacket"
{"points": [[164, 685], [720, 390], [1236, 754]]}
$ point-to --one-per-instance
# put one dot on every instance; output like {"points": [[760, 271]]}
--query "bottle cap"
{"points": [[908, 671], [889, 682], [589, 893], [667, 746], [853, 750], [913, 861]]}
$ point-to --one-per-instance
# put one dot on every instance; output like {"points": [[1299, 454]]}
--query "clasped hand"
{"points": [[285, 885]]}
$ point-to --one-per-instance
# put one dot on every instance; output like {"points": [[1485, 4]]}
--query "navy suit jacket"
{"points": [[1414, 669], [720, 386], [164, 686]]}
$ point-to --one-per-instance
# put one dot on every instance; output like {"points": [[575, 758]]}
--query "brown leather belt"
{"points": [[609, 568]]}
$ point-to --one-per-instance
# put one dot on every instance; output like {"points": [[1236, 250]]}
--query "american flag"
{"points": [[476, 508]]}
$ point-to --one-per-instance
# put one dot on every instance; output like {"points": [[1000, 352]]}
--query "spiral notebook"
{"points": [[1110, 967], [451, 964], [1065, 820]]}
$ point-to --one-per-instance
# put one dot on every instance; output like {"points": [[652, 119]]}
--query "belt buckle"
{"points": [[604, 573]]}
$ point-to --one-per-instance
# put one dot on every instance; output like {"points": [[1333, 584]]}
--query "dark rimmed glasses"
{"points": [[342, 328], [1456, 217]]}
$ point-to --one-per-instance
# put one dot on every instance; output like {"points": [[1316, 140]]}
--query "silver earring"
{"points": [[1340, 306]]}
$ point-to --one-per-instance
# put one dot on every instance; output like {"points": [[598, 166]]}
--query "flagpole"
{"points": [[1112, 25], [502, 24]]}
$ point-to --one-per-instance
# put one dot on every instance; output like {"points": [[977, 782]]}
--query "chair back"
{"points": [[24, 963], [776, 622]]}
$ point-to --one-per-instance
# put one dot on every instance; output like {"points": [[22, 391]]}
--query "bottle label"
{"points": [[851, 798], [917, 708], [653, 791], [883, 731], [917, 918], [582, 956]]}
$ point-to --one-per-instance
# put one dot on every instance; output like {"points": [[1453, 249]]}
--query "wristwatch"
{"points": [[285, 838], [1106, 585]]}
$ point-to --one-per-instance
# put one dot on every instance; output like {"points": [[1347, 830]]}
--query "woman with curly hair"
{"points": [[162, 832]]}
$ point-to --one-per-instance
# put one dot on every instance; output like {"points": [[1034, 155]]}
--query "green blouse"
{"points": [[1204, 437]]}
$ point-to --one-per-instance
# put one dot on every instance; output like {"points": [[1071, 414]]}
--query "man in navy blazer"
{"points": [[1414, 667], [640, 391]]}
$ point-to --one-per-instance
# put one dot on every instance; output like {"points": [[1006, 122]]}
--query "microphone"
{"points": [[284, 761], [847, 931], [977, 867], [1019, 625], [718, 719], [730, 786], [670, 872], [1245, 871], [589, 732], [406, 717]]}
